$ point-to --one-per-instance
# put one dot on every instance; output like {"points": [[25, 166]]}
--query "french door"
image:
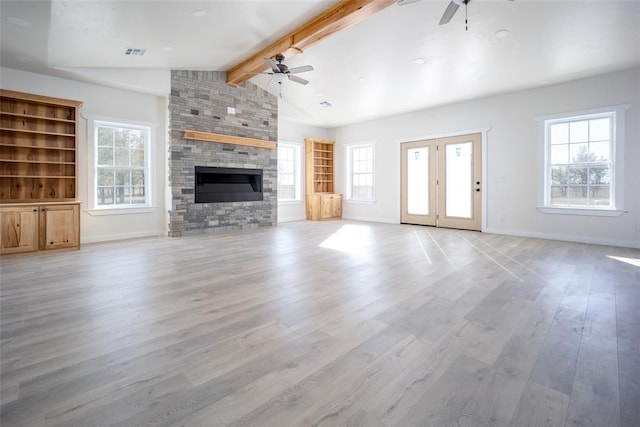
{"points": [[441, 182]]}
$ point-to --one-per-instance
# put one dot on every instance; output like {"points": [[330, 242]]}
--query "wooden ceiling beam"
{"points": [[340, 16]]}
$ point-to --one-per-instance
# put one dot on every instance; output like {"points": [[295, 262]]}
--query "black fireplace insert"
{"points": [[215, 184]]}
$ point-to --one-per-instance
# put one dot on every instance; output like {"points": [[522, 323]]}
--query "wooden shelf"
{"points": [[40, 176], [33, 147], [43, 162], [30, 116], [38, 132]]}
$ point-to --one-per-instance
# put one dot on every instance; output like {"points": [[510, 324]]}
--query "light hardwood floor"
{"points": [[323, 323]]}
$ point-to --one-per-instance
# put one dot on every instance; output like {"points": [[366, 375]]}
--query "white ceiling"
{"points": [[365, 71]]}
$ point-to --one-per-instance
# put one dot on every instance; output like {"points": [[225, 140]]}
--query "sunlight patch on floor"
{"points": [[633, 261], [351, 239]]}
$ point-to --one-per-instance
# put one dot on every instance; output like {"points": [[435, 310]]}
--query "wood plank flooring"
{"points": [[336, 323]]}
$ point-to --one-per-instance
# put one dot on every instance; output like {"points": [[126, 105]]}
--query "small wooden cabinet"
{"points": [[324, 206], [20, 228], [28, 228], [59, 226], [321, 201]]}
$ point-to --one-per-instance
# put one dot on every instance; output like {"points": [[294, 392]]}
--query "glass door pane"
{"points": [[418, 192], [459, 184], [418, 181]]}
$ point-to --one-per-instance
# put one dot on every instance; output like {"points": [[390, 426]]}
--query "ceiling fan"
{"points": [[281, 73], [451, 9]]}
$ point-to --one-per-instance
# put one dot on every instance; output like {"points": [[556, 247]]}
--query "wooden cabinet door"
{"points": [[336, 206], [59, 226], [19, 229], [326, 206]]}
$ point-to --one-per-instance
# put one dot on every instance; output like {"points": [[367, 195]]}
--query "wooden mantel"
{"points": [[227, 139]]}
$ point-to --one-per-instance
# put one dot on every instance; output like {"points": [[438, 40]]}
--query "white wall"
{"points": [[118, 104], [291, 131], [513, 144]]}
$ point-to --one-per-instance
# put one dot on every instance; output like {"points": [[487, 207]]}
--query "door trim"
{"points": [[482, 131]]}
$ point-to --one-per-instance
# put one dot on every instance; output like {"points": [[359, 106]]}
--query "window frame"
{"points": [[617, 115], [297, 174], [350, 148], [93, 124]]}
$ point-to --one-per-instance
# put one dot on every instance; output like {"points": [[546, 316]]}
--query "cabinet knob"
{"points": [[35, 210]]}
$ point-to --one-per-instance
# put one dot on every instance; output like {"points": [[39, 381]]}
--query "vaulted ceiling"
{"points": [[395, 61]]}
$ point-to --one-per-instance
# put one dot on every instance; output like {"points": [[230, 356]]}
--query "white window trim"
{"points": [[298, 177], [617, 180], [95, 210], [348, 150]]}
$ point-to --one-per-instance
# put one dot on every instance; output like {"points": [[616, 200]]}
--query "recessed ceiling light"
{"points": [[198, 13], [326, 104], [167, 48], [362, 79], [500, 34], [418, 61], [24, 59], [319, 95], [18, 21]]}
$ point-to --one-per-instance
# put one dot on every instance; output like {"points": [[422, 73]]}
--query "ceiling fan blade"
{"points": [[303, 69], [405, 2], [272, 64], [448, 13], [298, 80]]}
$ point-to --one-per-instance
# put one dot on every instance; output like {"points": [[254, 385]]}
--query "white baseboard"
{"points": [[121, 236], [370, 219], [567, 238], [291, 218]]}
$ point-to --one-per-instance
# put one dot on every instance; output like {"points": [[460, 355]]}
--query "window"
{"points": [[119, 165], [289, 166], [360, 172], [582, 159]]}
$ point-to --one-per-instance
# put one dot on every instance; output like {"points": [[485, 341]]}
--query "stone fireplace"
{"points": [[202, 101]]}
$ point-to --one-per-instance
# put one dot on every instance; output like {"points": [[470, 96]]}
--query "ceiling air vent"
{"points": [[134, 51], [326, 104]]}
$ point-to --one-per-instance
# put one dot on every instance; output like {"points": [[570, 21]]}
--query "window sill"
{"points": [[579, 211], [121, 211], [360, 202]]}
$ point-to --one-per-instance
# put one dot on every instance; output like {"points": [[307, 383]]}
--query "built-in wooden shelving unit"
{"points": [[39, 207], [321, 200]]}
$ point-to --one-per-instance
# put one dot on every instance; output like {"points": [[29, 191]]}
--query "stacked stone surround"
{"points": [[199, 101]]}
